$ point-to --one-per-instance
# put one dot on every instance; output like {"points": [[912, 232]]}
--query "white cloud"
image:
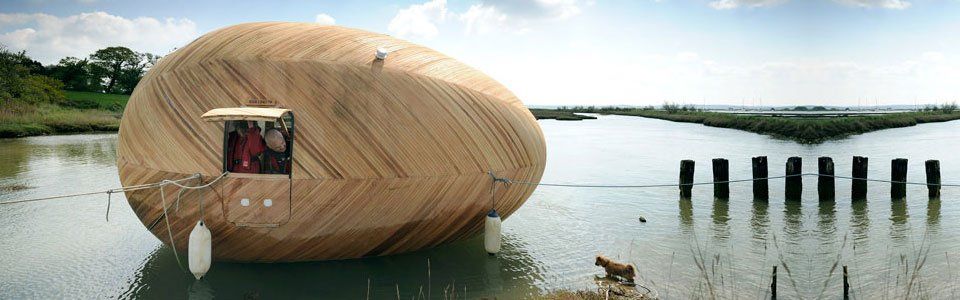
{"points": [[483, 19], [537, 9], [48, 38], [325, 19], [423, 20], [646, 78], [731, 4], [888, 4], [516, 16], [419, 20], [687, 56]]}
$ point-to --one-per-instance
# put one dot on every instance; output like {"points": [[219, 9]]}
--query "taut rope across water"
{"points": [[508, 181], [495, 178]]}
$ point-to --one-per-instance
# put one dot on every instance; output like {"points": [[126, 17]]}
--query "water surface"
{"points": [[66, 248]]}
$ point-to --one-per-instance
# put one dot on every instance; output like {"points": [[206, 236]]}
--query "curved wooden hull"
{"points": [[389, 156]]}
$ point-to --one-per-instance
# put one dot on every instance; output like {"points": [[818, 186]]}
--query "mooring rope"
{"points": [[495, 179], [163, 200], [509, 181], [108, 192]]}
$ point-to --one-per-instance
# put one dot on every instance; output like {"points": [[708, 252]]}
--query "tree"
{"points": [[131, 76], [76, 75], [111, 63], [21, 80], [11, 75]]}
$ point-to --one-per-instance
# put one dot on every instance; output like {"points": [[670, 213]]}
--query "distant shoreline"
{"points": [[559, 115], [801, 130], [83, 112]]}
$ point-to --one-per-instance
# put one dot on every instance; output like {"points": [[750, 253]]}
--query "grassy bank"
{"points": [[803, 130], [91, 100], [82, 112], [560, 115]]}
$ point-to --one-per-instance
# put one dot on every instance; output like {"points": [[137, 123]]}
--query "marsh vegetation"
{"points": [[804, 130]]}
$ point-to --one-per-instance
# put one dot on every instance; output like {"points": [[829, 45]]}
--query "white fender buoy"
{"points": [[491, 233], [200, 250]]}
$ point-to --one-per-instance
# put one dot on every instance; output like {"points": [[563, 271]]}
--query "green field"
{"points": [[112, 102], [82, 112]]}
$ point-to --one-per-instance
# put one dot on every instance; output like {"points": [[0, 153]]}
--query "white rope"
{"points": [[508, 181], [110, 191], [166, 218], [169, 230], [175, 182], [496, 179]]}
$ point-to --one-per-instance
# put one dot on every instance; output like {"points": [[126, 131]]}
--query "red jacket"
{"points": [[243, 151]]}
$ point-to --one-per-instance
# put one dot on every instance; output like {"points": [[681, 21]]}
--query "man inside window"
{"points": [[276, 158]]}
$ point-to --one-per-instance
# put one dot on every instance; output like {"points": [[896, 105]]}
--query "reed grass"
{"points": [[19, 119]]}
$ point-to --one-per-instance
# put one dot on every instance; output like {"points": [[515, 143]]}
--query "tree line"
{"points": [[114, 70]]}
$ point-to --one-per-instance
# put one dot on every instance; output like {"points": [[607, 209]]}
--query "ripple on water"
{"points": [[65, 249]]}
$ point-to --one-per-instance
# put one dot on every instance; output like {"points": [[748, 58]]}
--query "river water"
{"points": [[687, 248]]}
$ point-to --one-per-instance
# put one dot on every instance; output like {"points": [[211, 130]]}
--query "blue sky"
{"points": [[776, 52]]}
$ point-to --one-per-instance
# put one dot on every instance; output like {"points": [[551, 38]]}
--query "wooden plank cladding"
{"points": [[389, 156]]}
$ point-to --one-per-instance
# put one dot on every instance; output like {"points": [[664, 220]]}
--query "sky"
{"points": [[594, 52]]}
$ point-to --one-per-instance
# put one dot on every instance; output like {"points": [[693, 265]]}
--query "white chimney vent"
{"points": [[381, 53]]}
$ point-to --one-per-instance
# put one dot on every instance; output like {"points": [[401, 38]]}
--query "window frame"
{"points": [[291, 131]]}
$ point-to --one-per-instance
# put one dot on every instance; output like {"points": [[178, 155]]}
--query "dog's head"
{"points": [[600, 261]]}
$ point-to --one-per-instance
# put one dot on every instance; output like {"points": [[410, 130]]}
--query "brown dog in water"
{"points": [[624, 271]]}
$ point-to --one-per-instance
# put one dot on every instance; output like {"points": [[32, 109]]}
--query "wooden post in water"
{"points": [[794, 182], [898, 173], [846, 284], [773, 284], [825, 181], [859, 186], [760, 190], [933, 178], [686, 178], [721, 174]]}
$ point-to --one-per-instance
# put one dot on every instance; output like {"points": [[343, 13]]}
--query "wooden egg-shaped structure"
{"points": [[386, 155]]}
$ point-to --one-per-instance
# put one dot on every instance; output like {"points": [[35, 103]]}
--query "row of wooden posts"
{"points": [[794, 181]]}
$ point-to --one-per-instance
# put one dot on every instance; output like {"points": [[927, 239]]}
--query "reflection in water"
{"points": [[827, 225], [201, 290], [792, 224], [899, 228], [860, 222], [15, 153], [720, 216], [65, 250], [686, 214], [933, 215], [511, 272], [760, 220], [77, 149]]}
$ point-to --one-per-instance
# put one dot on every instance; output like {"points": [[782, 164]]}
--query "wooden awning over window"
{"points": [[269, 114]]}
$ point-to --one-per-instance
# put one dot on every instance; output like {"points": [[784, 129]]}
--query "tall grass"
{"points": [[19, 119]]}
